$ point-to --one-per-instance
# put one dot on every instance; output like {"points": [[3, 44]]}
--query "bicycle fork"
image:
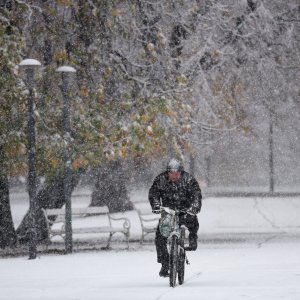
{"points": [[186, 259]]}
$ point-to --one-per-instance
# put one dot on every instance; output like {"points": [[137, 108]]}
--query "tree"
{"points": [[12, 110], [8, 235], [49, 196], [110, 188], [153, 78], [242, 51]]}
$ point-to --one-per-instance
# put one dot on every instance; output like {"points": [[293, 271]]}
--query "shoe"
{"points": [[164, 271], [191, 248], [192, 245], [187, 248]]}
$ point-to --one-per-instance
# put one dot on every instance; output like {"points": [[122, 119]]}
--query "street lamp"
{"points": [[30, 65], [66, 71]]}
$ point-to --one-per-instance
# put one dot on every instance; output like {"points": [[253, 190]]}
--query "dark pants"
{"points": [[191, 222]]}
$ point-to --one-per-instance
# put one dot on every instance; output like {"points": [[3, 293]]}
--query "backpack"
{"points": [[165, 224]]}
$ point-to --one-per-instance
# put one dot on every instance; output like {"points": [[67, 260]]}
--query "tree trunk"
{"points": [[50, 196], [192, 164], [110, 188], [8, 237], [208, 170], [271, 152]]}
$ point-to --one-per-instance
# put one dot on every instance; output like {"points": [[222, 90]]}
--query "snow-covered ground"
{"points": [[248, 249], [263, 270]]}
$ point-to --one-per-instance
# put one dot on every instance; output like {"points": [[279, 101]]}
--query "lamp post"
{"points": [[66, 71], [30, 65], [271, 151]]}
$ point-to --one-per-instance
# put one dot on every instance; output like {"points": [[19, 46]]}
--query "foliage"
{"points": [[12, 98], [151, 76]]}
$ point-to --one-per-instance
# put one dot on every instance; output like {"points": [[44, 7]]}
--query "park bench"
{"points": [[148, 221], [55, 219]]}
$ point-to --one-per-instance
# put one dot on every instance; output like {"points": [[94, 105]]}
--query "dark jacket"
{"points": [[184, 194]]}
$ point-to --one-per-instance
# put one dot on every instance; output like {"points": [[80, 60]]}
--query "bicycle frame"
{"points": [[176, 247]]}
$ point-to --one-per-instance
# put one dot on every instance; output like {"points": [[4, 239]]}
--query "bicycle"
{"points": [[177, 254]]}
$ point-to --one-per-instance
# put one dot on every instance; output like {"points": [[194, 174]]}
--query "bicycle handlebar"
{"points": [[173, 212]]}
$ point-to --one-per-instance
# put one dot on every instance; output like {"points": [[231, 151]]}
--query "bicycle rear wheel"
{"points": [[181, 257], [173, 260]]}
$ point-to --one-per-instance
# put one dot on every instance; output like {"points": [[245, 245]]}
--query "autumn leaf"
{"points": [[64, 2], [84, 92], [116, 12]]}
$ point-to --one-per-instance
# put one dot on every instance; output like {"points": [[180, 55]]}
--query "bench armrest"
{"points": [[149, 219], [126, 223], [48, 221]]}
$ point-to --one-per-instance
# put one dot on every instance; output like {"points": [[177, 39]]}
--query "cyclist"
{"points": [[175, 189]]}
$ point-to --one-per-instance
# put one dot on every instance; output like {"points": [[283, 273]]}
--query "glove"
{"points": [[156, 210], [192, 211]]}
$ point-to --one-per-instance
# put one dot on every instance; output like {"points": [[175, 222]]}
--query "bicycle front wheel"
{"points": [[173, 260], [181, 257]]}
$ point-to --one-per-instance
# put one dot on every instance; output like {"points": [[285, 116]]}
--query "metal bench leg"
{"points": [[108, 242], [142, 239], [127, 239], [47, 243]]}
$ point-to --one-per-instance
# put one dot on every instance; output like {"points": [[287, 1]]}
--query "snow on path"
{"points": [[257, 271]]}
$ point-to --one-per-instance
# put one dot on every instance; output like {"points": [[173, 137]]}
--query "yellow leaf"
{"points": [[171, 113], [182, 80], [149, 130], [64, 2], [150, 47], [116, 12], [84, 92], [186, 128], [79, 163]]}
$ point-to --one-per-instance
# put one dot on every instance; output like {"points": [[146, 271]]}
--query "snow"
{"points": [[270, 271], [248, 249], [66, 69], [29, 62]]}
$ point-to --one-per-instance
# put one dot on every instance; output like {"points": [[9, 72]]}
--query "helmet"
{"points": [[174, 165]]}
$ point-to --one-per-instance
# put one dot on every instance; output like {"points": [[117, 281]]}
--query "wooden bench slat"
{"points": [[98, 230], [77, 211]]}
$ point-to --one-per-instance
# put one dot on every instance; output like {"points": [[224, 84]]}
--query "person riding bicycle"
{"points": [[175, 189]]}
